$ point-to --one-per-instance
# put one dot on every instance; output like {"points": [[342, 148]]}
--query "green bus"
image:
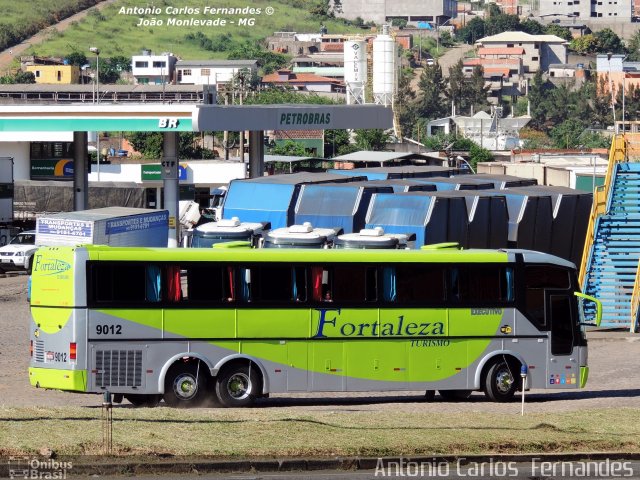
{"points": [[232, 325]]}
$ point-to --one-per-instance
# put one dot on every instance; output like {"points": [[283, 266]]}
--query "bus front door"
{"points": [[563, 368]]}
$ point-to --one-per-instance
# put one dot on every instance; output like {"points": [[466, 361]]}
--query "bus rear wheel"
{"points": [[454, 395], [238, 385], [148, 401], [500, 384], [185, 385]]}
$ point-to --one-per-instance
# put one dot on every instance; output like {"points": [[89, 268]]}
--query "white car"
{"points": [[18, 253]]}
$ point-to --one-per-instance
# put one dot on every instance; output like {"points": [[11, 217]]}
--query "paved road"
{"points": [[493, 469], [7, 56]]}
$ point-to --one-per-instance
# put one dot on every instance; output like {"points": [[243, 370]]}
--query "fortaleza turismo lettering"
{"points": [[305, 119], [330, 324]]}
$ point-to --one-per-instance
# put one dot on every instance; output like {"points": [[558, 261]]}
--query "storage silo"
{"points": [[384, 62], [355, 70]]}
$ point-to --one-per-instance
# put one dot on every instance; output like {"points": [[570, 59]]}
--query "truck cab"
{"points": [[18, 253]]}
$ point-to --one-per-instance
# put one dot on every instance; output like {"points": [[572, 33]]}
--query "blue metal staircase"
{"points": [[613, 259]]}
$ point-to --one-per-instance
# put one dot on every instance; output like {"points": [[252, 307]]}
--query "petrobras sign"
{"points": [[306, 119]]}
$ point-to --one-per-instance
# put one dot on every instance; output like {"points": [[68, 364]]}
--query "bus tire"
{"points": [[238, 385], [185, 385], [500, 384], [454, 395], [429, 395], [148, 401]]}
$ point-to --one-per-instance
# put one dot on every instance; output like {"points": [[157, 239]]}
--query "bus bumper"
{"points": [[584, 375], [73, 380]]}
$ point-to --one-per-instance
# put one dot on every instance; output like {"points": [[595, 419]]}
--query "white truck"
{"points": [[115, 226]]}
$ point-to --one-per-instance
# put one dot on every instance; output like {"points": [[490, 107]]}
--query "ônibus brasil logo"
{"points": [[50, 267]]}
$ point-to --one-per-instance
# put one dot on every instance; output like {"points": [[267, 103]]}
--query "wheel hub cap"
{"points": [[239, 386], [185, 386], [504, 381]]}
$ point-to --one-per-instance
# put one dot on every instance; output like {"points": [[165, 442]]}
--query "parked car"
{"points": [[18, 253]]}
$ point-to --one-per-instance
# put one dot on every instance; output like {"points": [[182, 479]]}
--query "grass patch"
{"points": [[286, 432], [118, 34]]}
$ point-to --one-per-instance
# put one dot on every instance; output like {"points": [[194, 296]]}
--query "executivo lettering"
{"points": [[331, 325]]}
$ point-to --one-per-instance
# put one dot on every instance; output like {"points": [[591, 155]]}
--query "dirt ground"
{"points": [[614, 379]]}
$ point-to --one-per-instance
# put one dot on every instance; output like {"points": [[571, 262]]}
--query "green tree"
{"points": [[18, 77], [558, 31], [634, 47], [608, 41], [537, 96], [432, 102], [602, 114], [456, 91], [371, 139], [590, 139], [584, 45], [267, 61], [279, 95], [479, 154], [567, 134], [289, 147], [405, 102], [77, 58], [337, 142], [532, 27], [446, 40], [476, 92], [320, 8], [535, 139], [472, 31], [502, 22], [150, 145]]}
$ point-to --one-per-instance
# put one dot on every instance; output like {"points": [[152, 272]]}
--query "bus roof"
{"points": [[99, 252]]}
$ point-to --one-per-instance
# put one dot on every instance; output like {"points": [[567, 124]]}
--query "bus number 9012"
{"points": [[108, 329]]}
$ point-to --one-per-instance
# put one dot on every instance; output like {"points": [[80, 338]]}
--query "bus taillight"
{"points": [[31, 348], [72, 351]]}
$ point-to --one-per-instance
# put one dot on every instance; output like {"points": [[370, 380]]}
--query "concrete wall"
{"points": [[379, 10], [552, 53]]}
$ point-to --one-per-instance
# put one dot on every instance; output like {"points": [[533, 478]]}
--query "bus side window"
{"points": [[117, 283], [245, 284], [299, 282], [153, 283], [418, 283], [316, 284], [482, 284], [273, 283], [174, 286], [389, 284], [209, 283], [353, 283]]}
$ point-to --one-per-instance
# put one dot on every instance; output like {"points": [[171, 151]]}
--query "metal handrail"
{"points": [[635, 302], [617, 154]]}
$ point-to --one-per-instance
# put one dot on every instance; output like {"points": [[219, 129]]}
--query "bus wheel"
{"points": [[500, 384], [186, 385], [454, 395], [148, 401], [238, 385], [429, 395]]}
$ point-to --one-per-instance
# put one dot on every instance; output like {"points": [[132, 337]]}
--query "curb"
{"points": [[87, 465]]}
